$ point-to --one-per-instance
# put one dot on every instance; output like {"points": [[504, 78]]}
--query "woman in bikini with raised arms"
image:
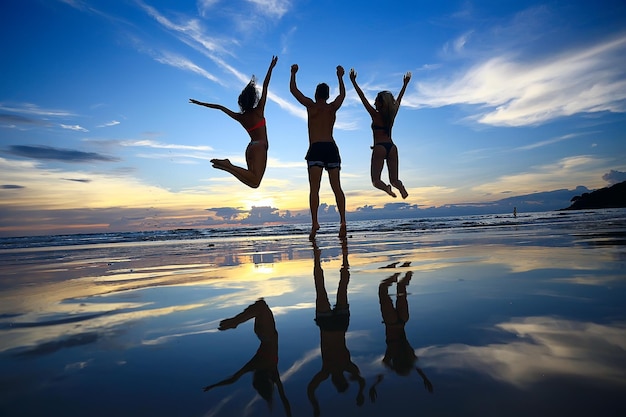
{"points": [[252, 118], [383, 114]]}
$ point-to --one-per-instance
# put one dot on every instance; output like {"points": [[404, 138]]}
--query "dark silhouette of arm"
{"points": [[371, 110], [405, 82], [342, 88], [266, 83], [302, 99]]}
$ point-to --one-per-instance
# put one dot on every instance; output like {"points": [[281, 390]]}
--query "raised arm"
{"points": [[266, 83], [302, 99], [216, 106], [371, 110], [342, 88], [405, 82]]}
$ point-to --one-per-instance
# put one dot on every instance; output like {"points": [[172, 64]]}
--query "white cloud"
{"points": [[545, 347], [276, 8], [184, 64], [158, 145], [29, 108], [564, 173], [109, 124], [205, 5], [76, 128], [518, 93]]}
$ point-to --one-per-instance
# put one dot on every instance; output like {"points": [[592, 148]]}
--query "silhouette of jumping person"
{"points": [[383, 114], [252, 118], [399, 356], [264, 363], [323, 152], [333, 324]]}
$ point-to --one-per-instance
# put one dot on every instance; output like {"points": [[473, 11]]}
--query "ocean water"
{"points": [[406, 226], [485, 315]]}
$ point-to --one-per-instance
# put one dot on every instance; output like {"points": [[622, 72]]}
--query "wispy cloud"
{"points": [[185, 64], [580, 169], [33, 109], [191, 28], [547, 142], [58, 154], [76, 128], [109, 124], [275, 8], [519, 93], [158, 145]]}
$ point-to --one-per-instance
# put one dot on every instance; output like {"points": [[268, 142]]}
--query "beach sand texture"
{"points": [[512, 320]]}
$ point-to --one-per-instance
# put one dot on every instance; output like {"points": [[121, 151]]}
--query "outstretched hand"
{"points": [[274, 61], [407, 77], [191, 100], [352, 75], [294, 68], [340, 71]]}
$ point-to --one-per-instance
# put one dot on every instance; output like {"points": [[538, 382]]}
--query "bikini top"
{"points": [[383, 128], [258, 125]]}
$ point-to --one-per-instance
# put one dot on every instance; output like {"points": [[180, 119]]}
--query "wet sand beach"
{"points": [[511, 320]]}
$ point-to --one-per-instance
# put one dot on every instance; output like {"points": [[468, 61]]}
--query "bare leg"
{"points": [[402, 305], [340, 199], [387, 310], [392, 167], [378, 160], [322, 305], [256, 158], [315, 177]]}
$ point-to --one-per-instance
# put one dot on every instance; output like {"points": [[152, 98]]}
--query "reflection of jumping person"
{"points": [[252, 119], [323, 151], [264, 364], [400, 355], [383, 115], [333, 324]]}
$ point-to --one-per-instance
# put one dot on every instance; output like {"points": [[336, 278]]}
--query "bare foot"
{"points": [[403, 191], [390, 280], [389, 191], [221, 163], [407, 278]]}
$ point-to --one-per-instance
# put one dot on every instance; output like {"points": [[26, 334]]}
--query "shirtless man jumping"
{"points": [[323, 152]]}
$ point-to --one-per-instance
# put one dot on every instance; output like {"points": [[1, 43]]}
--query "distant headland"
{"points": [[608, 197]]}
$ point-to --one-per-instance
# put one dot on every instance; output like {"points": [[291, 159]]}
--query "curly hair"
{"points": [[249, 96]]}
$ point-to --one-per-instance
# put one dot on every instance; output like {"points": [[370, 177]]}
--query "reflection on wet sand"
{"points": [[264, 363], [333, 323], [547, 347], [399, 356]]}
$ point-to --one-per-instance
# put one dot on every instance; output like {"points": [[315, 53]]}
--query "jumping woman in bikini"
{"points": [[252, 119], [383, 115]]}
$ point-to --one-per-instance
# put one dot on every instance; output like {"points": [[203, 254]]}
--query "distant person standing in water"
{"points": [[383, 114], [323, 152], [252, 118]]}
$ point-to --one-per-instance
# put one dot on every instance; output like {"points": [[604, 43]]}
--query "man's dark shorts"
{"points": [[336, 320], [324, 155]]}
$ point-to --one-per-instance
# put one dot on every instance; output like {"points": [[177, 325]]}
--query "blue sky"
{"points": [[96, 132]]}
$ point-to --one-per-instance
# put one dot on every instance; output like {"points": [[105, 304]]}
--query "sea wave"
{"points": [[577, 219]]}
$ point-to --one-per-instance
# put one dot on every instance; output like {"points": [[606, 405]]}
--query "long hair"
{"points": [[264, 385], [388, 108], [249, 96]]}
